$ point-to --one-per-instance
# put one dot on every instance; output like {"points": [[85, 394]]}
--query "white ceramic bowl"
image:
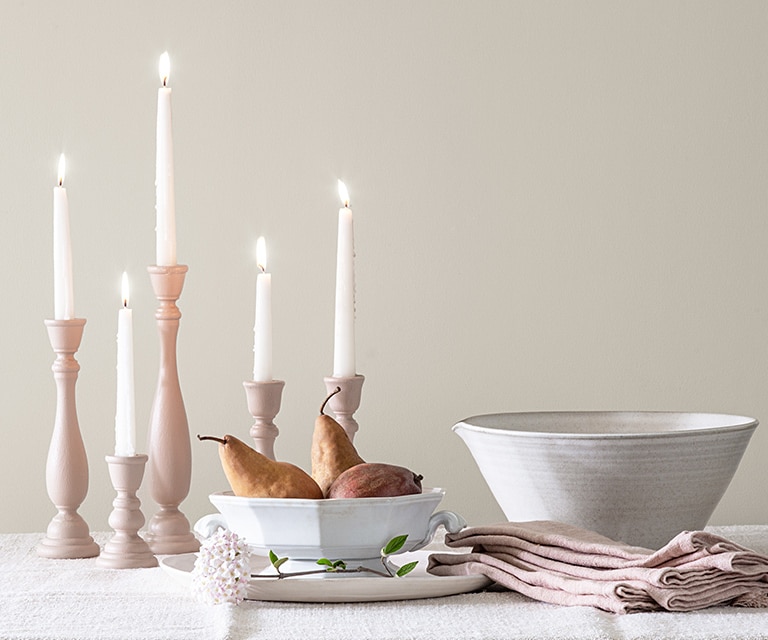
{"points": [[345, 528], [640, 477]]}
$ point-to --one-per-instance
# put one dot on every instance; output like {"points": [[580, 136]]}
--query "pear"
{"points": [[253, 475], [332, 450], [375, 480]]}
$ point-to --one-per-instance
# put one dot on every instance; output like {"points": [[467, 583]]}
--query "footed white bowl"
{"points": [[344, 528], [639, 477]]}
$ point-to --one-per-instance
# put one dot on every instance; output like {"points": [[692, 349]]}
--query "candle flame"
{"points": [[62, 164], [343, 193], [261, 253], [165, 68], [125, 289]]}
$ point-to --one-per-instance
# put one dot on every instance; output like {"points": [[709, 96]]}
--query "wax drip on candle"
{"points": [[344, 324], [262, 328]]}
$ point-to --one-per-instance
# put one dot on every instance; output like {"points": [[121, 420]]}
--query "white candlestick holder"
{"points": [[346, 402], [264, 400], [126, 549], [169, 448], [66, 470]]}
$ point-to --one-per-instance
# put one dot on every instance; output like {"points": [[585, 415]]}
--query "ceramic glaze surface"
{"points": [[639, 477], [355, 528]]}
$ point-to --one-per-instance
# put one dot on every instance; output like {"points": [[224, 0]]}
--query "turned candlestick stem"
{"points": [[346, 402], [126, 550], [66, 470], [169, 448], [264, 400]]}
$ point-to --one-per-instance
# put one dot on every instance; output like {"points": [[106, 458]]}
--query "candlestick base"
{"points": [[126, 550], [264, 400], [66, 470], [345, 403], [169, 448]]}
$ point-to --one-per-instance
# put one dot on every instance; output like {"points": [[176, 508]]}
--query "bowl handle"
{"points": [[206, 526], [452, 522]]}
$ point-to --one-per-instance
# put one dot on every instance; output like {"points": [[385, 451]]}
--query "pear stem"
{"points": [[330, 395], [219, 440]]}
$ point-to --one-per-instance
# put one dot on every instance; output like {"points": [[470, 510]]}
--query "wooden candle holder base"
{"points": [[66, 471], [264, 399], [126, 550], [345, 403]]}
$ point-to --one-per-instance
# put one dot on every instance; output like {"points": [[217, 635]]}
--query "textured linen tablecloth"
{"points": [[74, 599]]}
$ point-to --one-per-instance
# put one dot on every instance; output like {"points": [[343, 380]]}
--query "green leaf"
{"points": [[406, 568], [394, 545], [276, 562], [339, 564], [325, 562]]}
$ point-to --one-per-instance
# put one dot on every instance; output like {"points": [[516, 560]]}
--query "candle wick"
{"points": [[61, 182]]}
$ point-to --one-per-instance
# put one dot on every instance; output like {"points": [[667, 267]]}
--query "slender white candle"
{"points": [[64, 304], [262, 328], [344, 328], [125, 417], [165, 201]]}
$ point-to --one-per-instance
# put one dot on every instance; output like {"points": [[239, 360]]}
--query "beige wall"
{"points": [[559, 205]]}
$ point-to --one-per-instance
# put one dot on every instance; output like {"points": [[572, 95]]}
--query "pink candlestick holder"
{"points": [[264, 400], [66, 470], [126, 550], [169, 448], [346, 402]]}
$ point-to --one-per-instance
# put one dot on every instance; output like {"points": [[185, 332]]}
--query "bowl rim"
{"points": [[228, 497], [740, 423]]}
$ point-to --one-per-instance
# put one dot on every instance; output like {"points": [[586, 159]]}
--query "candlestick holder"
{"points": [[66, 469], [264, 400], [346, 402], [125, 549], [170, 452]]}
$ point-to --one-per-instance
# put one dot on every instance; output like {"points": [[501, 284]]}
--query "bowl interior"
{"points": [[607, 423]]}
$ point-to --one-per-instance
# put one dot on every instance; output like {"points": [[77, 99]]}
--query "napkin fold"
{"points": [[566, 565]]}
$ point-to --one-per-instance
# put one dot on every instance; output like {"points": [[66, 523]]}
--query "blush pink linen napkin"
{"points": [[563, 564]]}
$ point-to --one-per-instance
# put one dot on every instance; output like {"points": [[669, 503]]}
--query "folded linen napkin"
{"points": [[563, 564]]}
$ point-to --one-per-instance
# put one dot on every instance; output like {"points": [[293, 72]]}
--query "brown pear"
{"points": [[253, 475], [375, 480], [332, 450]]}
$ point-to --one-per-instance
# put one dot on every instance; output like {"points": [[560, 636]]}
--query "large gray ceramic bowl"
{"points": [[639, 477]]}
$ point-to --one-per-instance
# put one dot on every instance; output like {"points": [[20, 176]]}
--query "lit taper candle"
{"points": [[64, 304], [344, 327], [262, 328], [165, 202], [125, 417]]}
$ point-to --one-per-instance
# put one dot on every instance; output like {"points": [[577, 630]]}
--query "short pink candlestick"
{"points": [[170, 452], [66, 470], [264, 399], [346, 402], [125, 549]]}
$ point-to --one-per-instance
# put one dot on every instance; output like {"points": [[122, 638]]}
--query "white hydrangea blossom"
{"points": [[222, 569]]}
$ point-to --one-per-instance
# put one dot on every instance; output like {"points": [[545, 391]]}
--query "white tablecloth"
{"points": [[75, 599]]}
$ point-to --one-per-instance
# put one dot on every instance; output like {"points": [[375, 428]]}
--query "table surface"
{"points": [[68, 599]]}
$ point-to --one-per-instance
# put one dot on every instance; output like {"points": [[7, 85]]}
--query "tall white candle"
{"points": [[125, 417], [262, 328], [63, 295], [165, 199], [344, 327]]}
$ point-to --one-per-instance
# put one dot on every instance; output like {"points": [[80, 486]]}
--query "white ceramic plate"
{"points": [[358, 588]]}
